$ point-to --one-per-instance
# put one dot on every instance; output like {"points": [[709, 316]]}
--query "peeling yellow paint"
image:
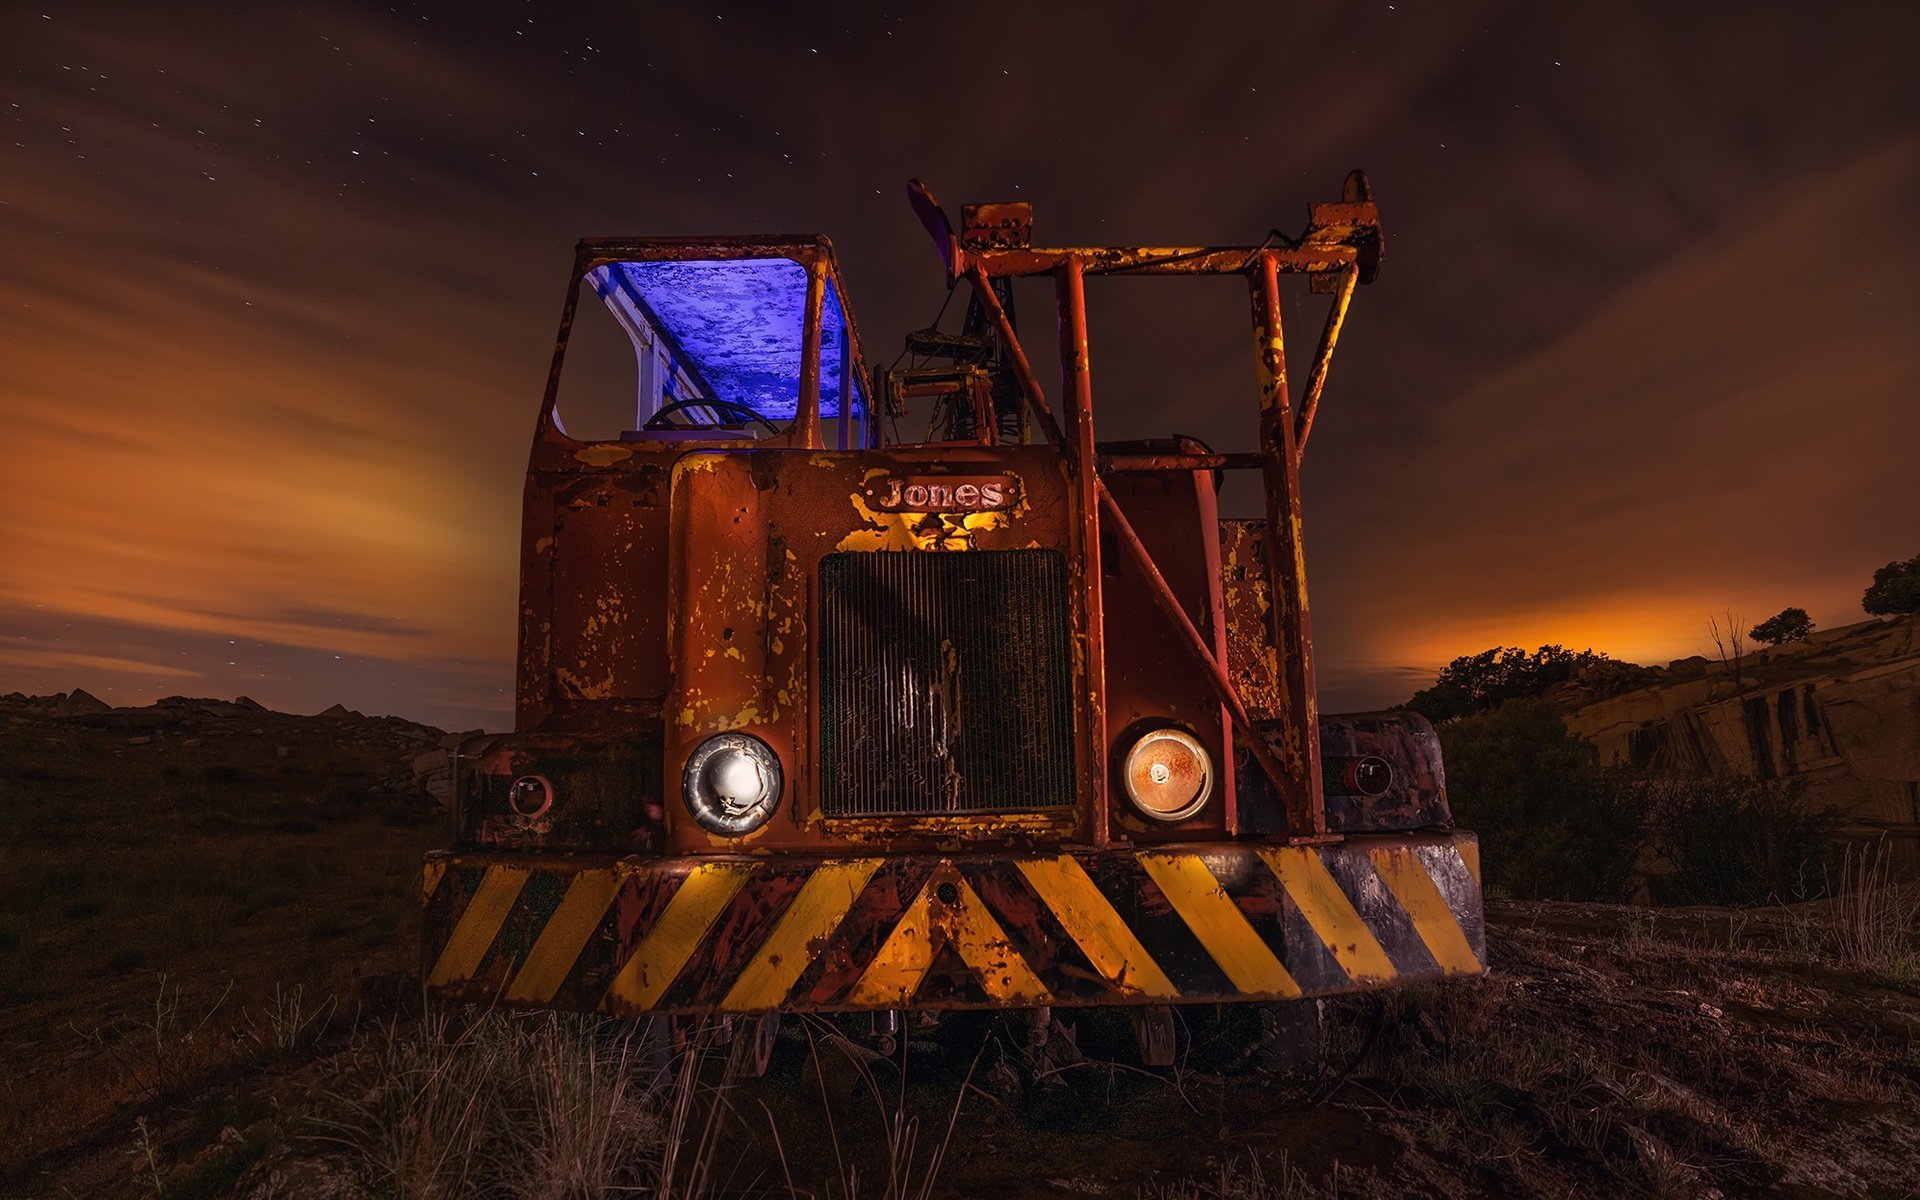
{"points": [[584, 689], [602, 454]]}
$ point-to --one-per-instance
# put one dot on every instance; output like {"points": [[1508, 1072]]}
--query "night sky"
{"points": [[278, 292]]}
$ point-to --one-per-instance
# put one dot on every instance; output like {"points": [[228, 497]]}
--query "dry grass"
{"points": [[1875, 914], [1245, 1178], [171, 914], [545, 1106], [906, 1176], [559, 1107]]}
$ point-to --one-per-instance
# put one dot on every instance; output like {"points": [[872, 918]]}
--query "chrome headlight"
{"points": [[1168, 775], [732, 784]]}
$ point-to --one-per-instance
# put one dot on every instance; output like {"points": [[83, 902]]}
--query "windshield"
{"points": [[717, 343]]}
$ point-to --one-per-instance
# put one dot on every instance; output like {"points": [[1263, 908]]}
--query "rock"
{"points": [[1836, 713], [433, 774], [140, 740], [80, 703], [250, 704], [190, 744]]}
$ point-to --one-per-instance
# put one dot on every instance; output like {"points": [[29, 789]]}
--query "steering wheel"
{"points": [[726, 408]]}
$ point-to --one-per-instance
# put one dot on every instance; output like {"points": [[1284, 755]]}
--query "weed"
{"points": [[286, 1021], [163, 1048], [589, 1120], [418, 1123], [1637, 931], [1241, 1179], [546, 1105], [146, 1156], [907, 1177], [1876, 914]]}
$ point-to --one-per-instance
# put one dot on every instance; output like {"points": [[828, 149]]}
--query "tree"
{"points": [[1478, 682], [1787, 625], [1730, 642], [1895, 590]]}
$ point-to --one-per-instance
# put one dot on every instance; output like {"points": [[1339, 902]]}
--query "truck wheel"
{"points": [[753, 1041]]}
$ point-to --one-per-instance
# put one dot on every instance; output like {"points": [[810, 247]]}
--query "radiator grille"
{"points": [[945, 683]]}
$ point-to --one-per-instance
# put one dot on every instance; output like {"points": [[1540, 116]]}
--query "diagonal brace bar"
{"points": [[1322, 358], [1022, 369], [1195, 644]]}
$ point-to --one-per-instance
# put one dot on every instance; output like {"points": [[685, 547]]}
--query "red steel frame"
{"points": [[1341, 247]]}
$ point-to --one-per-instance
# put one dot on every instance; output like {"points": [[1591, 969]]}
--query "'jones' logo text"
{"points": [[943, 493]]}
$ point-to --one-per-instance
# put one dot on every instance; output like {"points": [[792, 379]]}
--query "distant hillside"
{"points": [[412, 756], [1839, 710]]}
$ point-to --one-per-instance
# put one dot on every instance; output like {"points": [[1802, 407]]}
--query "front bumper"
{"points": [[1189, 924]]}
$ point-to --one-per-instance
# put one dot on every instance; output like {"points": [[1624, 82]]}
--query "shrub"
{"points": [[1738, 840], [1552, 824]]}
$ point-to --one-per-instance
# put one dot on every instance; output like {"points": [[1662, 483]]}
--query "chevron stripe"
{"points": [[814, 914], [1406, 877], [1096, 928], [665, 948], [564, 936], [478, 926], [1469, 852], [964, 924], [1332, 916], [1218, 922]]}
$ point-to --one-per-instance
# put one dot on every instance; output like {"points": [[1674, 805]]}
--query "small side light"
{"points": [[1369, 775], [530, 796], [1168, 775], [732, 784]]}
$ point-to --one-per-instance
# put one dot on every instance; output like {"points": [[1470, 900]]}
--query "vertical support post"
{"points": [[1206, 502], [1076, 388], [808, 416], [846, 384], [1299, 751]]}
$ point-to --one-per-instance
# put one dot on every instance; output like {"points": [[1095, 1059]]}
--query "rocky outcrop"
{"points": [[1839, 710]]}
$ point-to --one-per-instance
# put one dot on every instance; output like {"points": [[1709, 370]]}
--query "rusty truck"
{"points": [[813, 719]]}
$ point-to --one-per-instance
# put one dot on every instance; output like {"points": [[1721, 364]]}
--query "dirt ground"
{"points": [[200, 945]]}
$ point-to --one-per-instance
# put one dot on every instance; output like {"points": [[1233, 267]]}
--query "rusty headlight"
{"points": [[732, 784], [1168, 775]]}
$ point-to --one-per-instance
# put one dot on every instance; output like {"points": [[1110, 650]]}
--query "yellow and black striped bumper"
{"points": [[1187, 924]]}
